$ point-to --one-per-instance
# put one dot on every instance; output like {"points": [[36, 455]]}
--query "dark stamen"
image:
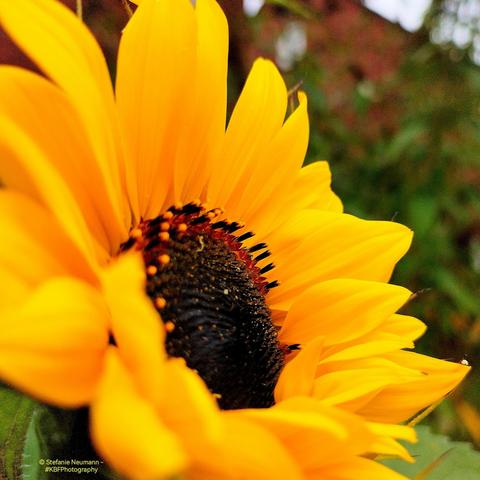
{"points": [[267, 268], [245, 236], [273, 284], [258, 246], [190, 208], [222, 224], [262, 256], [199, 220]]}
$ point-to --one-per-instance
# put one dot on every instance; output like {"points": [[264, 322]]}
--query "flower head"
{"points": [[196, 277]]}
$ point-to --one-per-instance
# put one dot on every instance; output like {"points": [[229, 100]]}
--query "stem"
{"points": [[127, 8], [80, 9]]}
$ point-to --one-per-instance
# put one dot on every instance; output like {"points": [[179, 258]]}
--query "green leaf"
{"points": [[15, 417], [32, 454], [402, 141], [423, 211], [450, 284], [32, 434], [459, 460]]}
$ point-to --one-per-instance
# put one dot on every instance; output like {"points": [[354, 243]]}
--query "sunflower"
{"points": [[154, 262]]}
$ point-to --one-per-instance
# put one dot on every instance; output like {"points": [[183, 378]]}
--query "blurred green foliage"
{"points": [[438, 458]]}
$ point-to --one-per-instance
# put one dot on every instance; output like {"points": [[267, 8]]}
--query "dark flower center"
{"points": [[210, 293]]}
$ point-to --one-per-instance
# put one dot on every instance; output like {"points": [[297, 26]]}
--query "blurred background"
{"points": [[394, 98]]}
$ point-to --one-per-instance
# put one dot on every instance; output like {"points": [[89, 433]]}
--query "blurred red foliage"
{"points": [[354, 46]]}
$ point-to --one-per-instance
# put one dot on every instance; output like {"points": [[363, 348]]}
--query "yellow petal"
{"points": [[21, 154], [256, 119], [298, 376], [248, 451], [17, 289], [204, 118], [127, 431], [33, 247], [52, 346], [348, 386], [398, 402], [341, 310], [271, 177], [312, 432], [32, 103], [385, 443], [186, 402], [315, 246], [297, 415], [156, 63], [63, 47], [332, 374], [403, 326], [136, 326], [354, 469], [391, 448], [401, 432], [353, 351], [312, 190]]}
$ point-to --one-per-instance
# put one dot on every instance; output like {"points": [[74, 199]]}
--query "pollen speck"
{"points": [[169, 326], [151, 270], [164, 226], [164, 259], [160, 302], [182, 227], [136, 233], [164, 236]]}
